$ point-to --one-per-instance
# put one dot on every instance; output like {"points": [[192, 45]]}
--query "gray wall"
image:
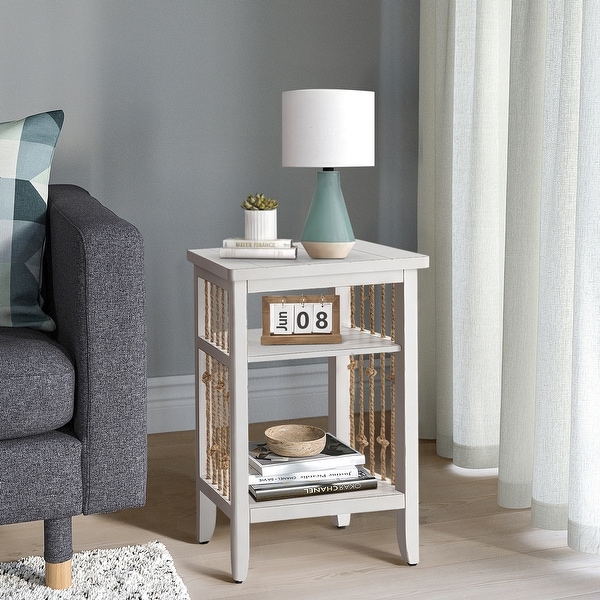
{"points": [[172, 116]]}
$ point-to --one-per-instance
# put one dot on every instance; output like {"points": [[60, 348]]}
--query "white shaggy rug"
{"points": [[135, 572]]}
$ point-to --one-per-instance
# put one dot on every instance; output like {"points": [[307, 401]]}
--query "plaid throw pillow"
{"points": [[26, 151]]}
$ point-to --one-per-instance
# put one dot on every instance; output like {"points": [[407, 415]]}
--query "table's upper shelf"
{"points": [[365, 260], [353, 341]]}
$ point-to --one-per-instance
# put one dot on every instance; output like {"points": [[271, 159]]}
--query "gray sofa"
{"points": [[73, 403]]}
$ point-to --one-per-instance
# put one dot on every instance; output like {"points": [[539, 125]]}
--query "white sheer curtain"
{"points": [[509, 211]]}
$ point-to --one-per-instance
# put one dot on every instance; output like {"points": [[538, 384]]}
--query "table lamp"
{"points": [[328, 129]]}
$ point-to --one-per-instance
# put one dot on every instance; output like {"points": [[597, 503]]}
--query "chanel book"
{"points": [[275, 491]]}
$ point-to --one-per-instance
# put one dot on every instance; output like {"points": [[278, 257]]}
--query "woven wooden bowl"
{"points": [[295, 440]]}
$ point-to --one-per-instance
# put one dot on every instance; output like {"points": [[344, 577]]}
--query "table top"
{"points": [[365, 257]]}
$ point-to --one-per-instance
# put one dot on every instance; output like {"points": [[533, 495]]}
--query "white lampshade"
{"points": [[328, 128]]}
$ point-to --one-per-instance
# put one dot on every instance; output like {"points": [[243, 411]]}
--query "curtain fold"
{"points": [[479, 117], [510, 215], [584, 480], [521, 292], [557, 256]]}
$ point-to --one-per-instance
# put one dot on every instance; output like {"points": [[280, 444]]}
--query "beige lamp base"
{"points": [[328, 249]]}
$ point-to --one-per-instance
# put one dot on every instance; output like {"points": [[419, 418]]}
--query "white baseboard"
{"points": [[275, 393], [171, 403]]}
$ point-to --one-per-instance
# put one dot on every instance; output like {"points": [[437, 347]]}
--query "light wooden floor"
{"points": [[470, 548]]}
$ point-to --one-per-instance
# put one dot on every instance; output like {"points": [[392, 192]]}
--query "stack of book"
{"points": [[338, 468], [243, 248]]}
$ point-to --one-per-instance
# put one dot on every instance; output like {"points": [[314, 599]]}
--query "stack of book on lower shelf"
{"points": [[338, 468], [270, 249]]}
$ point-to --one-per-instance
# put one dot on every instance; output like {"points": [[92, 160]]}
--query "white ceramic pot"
{"points": [[260, 224]]}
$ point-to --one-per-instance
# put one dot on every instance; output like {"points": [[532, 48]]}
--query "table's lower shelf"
{"points": [[384, 497]]}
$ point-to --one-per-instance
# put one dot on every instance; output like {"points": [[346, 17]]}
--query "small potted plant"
{"points": [[260, 217]]}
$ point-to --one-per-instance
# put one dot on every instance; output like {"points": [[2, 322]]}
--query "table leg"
{"points": [[407, 407], [206, 517], [240, 517], [342, 520], [240, 550]]}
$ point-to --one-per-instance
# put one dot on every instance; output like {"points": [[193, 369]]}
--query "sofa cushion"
{"points": [[41, 479], [26, 151], [37, 383]]}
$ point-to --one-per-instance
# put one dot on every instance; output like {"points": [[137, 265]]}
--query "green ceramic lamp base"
{"points": [[327, 231]]}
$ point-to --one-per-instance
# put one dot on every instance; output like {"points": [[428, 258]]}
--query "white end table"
{"points": [[224, 347]]}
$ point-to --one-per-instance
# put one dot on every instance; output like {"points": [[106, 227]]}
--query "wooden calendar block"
{"points": [[310, 319]]}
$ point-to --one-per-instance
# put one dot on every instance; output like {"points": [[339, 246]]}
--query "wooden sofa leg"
{"points": [[58, 575]]}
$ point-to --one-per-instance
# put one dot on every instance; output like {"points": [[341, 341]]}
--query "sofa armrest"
{"points": [[94, 289]]}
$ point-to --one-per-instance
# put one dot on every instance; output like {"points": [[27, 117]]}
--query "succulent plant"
{"points": [[259, 202]]}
